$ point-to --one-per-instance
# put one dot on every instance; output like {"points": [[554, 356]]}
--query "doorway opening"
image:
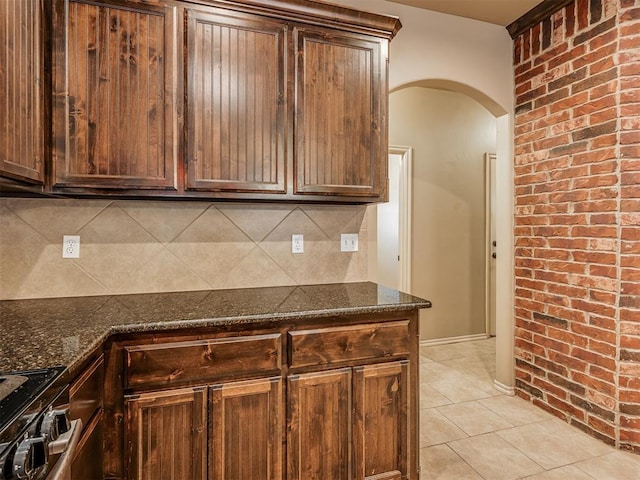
{"points": [[394, 223], [501, 177]]}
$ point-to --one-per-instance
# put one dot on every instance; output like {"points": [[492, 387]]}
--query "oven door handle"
{"points": [[65, 444]]}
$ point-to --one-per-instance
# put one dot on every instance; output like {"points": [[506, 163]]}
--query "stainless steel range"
{"points": [[35, 429]]}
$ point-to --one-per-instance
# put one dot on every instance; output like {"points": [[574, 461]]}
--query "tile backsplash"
{"points": [[136, 246]]}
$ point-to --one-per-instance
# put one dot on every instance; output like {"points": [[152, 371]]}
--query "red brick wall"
{"points": [[577, 219]]}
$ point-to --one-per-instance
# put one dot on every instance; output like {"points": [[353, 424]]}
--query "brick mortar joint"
{"points": [[524, 118]]}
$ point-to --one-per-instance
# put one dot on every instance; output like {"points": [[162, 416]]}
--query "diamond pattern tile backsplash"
{"points": [[136, 247]]}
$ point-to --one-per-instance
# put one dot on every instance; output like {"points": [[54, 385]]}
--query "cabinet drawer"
{"points": [[324, 346], [201, 360], [85, 394]]}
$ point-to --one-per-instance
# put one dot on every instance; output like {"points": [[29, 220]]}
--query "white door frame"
{"points": [[490, 277], [404, 235]]}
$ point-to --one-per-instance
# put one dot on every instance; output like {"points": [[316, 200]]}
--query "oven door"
{"points": [[65, 446]]}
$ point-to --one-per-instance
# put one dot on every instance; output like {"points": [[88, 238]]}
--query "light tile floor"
{"points": [[468, 430]]}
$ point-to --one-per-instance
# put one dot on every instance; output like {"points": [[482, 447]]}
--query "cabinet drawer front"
{"points": [[201, 360], [324, 346]]}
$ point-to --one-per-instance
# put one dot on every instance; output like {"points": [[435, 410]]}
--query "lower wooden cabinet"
{"points": [[236, 432], [382, 410], [87, 462], [166, 435], [349, 423], [86, 405], [246, 422], [320, 426], [351, 414]]}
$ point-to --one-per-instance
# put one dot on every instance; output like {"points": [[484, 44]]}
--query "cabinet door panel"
{"points": [[340, 121], [381, 437], [236, 102], [114, 112], [88, 456], [166, 435], [320, 426], [246, 430], [21, 76]]}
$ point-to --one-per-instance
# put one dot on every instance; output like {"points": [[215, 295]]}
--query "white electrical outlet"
{"points": [[349, 242], [297, 243], [71, 246]]}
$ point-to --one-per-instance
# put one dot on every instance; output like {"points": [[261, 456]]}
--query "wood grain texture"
{"points": [[85, 393], [246, 428], [536, 15], [381, 435], [166, 436], [347, 416], [319, 439], [21, 90], [176, 363], [340, 84], [114, 115], [88, 457], [236, 102], [324, 346]]}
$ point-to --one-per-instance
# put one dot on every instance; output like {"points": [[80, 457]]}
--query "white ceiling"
{"points": [[500, 12]]}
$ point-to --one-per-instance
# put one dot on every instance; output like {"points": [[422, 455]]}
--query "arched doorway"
{"points": [[464, 94]]}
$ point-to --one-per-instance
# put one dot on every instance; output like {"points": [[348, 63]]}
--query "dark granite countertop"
{"points": [[64, 331]]}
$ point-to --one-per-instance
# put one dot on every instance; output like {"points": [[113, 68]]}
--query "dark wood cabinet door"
{"points": [[21, 90], [166, 435], [340, 114], [89, 454], [381, 436], [115, 82], [319, 431], [246, 430], [236, 102]]}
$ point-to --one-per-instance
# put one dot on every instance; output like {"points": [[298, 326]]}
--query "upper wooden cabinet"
{"points": [[115, 80], [22, 132], [280, 100], [340, 119], [235, 102]]}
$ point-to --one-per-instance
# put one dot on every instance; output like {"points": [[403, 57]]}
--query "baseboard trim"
{"points": [[444, 341], [504, 389]]}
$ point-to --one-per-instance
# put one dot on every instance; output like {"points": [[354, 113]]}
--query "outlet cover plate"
{"points": [[349, 242], [71, 246], [297, 243]]}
